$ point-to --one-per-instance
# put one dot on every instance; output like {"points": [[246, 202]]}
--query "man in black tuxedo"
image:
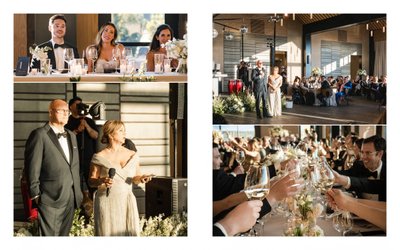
{"points": [[57, 28], [368, 180], [52, 166], [260, 89]]}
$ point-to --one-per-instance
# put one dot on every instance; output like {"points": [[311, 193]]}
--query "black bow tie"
{"points": [[374, 174], [59, 45], [64, 134]]}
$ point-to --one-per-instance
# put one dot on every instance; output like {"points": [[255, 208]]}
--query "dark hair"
{"points": [[98, 42], [155, 44], [55, 17], [215, 145], [359, 142], [379, 142], [73, 100], [129, 145]]}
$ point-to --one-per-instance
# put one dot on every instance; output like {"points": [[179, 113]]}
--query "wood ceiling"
{"points": [[236, 20]]}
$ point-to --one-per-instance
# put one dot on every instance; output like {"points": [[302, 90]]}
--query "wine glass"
{"points": [[240, 156], [257, 184], [92, 55], [68, 56], [343, 222]]}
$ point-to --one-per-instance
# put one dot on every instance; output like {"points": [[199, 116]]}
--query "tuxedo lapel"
{"points": [[53, 138]]}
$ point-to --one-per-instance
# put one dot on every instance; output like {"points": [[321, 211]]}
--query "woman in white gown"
{"points": [[109, 52], [274, 93], [115, 213]]}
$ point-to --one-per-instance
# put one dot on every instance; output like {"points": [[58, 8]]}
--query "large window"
{"points": [[137, 28]]}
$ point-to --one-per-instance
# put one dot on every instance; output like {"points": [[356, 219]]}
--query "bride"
{"points": [[115, 210], [109, 52], [274, 93]]}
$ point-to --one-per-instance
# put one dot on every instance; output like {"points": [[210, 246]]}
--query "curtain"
{"points": [[380, 58]]}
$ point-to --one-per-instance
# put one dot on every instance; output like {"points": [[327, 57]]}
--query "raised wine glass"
{"points": [[257, 184], [68, 56], [92, 56]]}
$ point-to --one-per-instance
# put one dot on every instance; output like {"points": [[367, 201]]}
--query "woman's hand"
{"points": [[107, 181], [146, 178]]}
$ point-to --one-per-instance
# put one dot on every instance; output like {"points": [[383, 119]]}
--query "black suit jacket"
{"points": [[49, 174], [361, 184], [259, 83], [50, 55], [225, 184]]}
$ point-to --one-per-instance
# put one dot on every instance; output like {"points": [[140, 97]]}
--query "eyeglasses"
{"points": [[62, 111], [367, 153]]}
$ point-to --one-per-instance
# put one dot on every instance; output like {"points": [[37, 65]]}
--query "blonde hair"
{"points": [[109, 128]]}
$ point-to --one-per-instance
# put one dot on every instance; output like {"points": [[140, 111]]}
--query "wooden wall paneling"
{"points": [[20, 37], [86, 30]]}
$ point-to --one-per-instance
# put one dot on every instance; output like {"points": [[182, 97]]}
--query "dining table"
{"points": [[274, 224]]}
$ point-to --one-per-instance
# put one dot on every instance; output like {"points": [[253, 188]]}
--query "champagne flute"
{"points": [[92, 56], [68, 56]]}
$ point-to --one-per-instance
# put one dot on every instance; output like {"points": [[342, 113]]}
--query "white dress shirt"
{"points": [[63, 142], [59, 56]]}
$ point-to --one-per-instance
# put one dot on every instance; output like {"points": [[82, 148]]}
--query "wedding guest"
{"points": [[259, 89], [115, 208], [274, 93], [86, 135], [243, 73], [108, 50], [368, 182], [52, 166], [372, 211], [163, 34], [57, 27]]}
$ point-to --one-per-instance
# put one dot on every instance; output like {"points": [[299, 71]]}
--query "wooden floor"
{"points": [[359, 111]]}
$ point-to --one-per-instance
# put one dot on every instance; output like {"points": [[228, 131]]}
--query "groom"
{"points": [[52, 166], [57, 28], [260, 89]]}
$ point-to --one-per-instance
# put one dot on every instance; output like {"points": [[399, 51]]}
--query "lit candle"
{"points": [[294, 16], [384, 29], [282, 22], [167, 68], [367, 26]]}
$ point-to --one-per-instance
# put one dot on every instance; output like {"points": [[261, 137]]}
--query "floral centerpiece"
{"points": [[177, 49], [361, 72], [40, 54], [316, 71], [218, 105], [303, 221]]}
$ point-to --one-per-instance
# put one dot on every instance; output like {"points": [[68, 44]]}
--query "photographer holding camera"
{"points": [[86, 134]]}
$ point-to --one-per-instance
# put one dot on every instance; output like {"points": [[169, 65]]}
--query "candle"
{"points": [[157, 68], [167, 68]]}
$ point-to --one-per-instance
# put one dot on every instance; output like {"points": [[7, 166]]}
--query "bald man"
{"points": [[52, 166]]}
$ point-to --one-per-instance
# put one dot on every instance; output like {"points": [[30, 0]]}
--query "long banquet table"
{"points": [[274, 225], [96, 77]]}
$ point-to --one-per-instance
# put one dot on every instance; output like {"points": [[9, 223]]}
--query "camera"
{"points": [[82, 108]]}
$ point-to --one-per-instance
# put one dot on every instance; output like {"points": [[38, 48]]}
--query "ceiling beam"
{"points": [[339, 21]]}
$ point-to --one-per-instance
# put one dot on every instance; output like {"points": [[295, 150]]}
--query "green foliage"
{"points": [[80, 227], [218, 105], [234, 105], [249, 102]]}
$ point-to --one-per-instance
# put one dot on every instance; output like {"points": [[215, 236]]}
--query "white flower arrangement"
{"points": [[39, 53], [305, 216], [175, 225], [177, 49], [316, 71], [361, 72], [80, 227], [234, 105]]}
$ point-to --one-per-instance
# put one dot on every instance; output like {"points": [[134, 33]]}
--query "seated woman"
{"points": [[163, 34], [108, 51]]}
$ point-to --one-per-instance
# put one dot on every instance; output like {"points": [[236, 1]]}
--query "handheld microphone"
{"points": [[111, 174]]}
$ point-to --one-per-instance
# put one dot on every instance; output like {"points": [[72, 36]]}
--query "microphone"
{"points": [[111, 174]]}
